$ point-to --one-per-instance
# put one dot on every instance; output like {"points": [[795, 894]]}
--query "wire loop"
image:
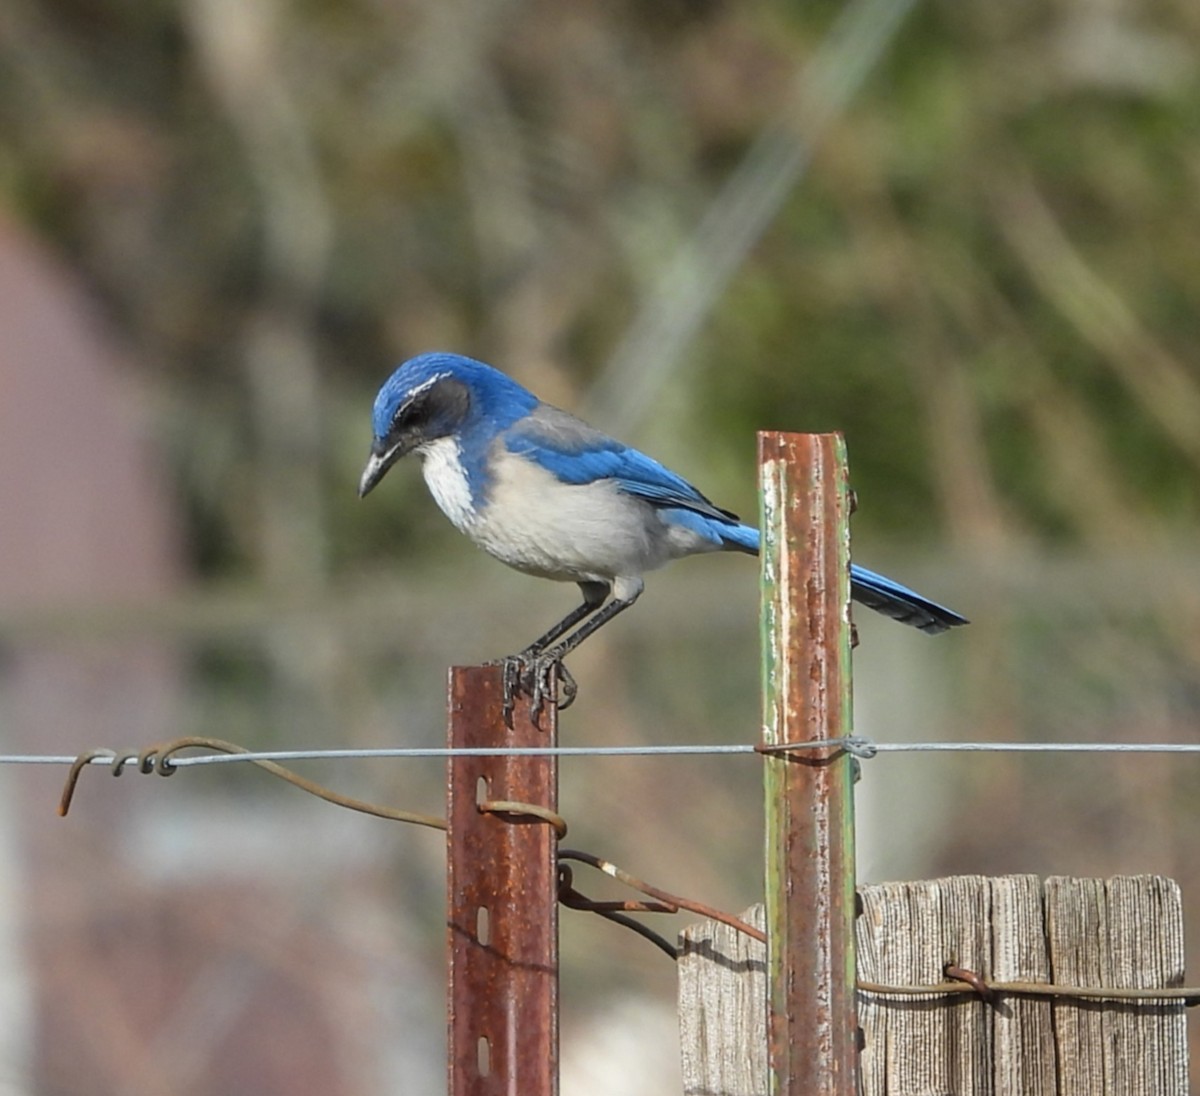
{"points": [[961, 974], [856, 745], [77, 766], [530, 810], [673, 903], [572, 899], [160, 759]]}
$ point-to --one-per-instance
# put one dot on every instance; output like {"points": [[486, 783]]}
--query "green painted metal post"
{"points": [[810, 894]]}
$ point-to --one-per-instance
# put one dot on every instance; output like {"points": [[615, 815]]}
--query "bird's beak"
{"points": [[381, 459]]}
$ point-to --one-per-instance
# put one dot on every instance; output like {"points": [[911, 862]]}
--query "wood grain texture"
{"points": [[723, 1009], [907, 933], [1125, 932]]}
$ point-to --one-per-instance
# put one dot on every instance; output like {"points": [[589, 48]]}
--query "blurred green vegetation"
{"points": [[987, 277]]}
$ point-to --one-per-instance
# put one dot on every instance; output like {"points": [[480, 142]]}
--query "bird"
{"points": [[551, 496]]}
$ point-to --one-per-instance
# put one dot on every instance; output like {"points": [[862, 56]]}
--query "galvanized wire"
{"points": [[859, 745]]}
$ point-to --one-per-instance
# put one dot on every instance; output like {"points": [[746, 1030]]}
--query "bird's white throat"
{"points": [[447, 480]]}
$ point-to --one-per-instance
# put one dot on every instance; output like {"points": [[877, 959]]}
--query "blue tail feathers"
{"points": [[900, 603], [739, 537], [866, 587]]}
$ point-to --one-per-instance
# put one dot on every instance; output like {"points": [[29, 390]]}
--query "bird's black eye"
{"points": [[408, 414], [433, 412]]}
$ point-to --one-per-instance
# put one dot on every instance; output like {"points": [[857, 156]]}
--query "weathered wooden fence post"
{"points": [[1092, 935], [723, 1009], [809, 792], [1121, 933], [502, 896]]}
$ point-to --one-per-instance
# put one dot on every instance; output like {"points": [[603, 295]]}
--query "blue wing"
{"points": [[575, 453]]}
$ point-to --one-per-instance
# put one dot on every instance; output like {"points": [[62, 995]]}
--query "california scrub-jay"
{"points": [[547, 494]]}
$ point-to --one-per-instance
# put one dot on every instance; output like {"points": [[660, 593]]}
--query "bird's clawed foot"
{"points": [[540, 675]]}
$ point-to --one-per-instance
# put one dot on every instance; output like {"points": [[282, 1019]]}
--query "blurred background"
{"points": [[964, 233]]}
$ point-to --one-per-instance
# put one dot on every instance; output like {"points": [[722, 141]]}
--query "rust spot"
{"points": [[502, 892]]}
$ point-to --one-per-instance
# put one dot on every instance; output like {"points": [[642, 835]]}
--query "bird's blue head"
{"points": [[439, 395]]}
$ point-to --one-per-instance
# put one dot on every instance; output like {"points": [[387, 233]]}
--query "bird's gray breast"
{"points": [[579, 532]]}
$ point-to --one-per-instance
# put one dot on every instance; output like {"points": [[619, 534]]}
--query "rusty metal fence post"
{"points": [[502, 897], [810, 886]]}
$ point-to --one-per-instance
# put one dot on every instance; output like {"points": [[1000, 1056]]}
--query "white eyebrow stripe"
{"points": [[424, 386]]}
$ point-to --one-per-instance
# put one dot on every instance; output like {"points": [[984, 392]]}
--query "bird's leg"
{"points": [[594, 594], [539, 670], [617, 605], [531, 668], [535, 670], [550, 659]]}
